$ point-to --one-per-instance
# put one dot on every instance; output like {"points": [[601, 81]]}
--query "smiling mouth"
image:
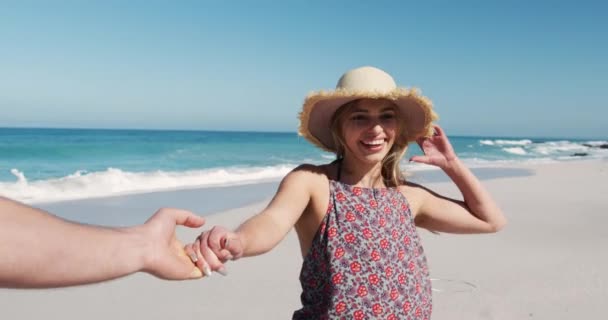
{"points": [[373, 145]]}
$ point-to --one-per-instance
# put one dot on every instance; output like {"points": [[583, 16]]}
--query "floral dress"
{"points": [[366, 260]]}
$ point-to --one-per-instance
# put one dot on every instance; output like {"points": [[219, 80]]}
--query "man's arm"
{"points": [[39, 250]]}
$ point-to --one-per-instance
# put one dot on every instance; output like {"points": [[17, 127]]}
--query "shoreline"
{"points": [[208, 200], [112, 183]]}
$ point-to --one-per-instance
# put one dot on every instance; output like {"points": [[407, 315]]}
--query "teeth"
{"points": [[375, 142]]}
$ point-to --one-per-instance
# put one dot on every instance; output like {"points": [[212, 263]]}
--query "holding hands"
{"points": [[164, 256], [213, 248]]}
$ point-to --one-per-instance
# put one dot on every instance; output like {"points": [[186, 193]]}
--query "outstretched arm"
{"points": [[478, 213], [260, 233], [40, 250]]}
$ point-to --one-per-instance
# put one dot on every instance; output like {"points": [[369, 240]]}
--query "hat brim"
{"points": [[319, 107]]}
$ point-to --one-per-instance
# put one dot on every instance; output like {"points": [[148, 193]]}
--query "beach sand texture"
{"points": [[551, 261]]}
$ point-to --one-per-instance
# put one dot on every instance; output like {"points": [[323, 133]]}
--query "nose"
{"points": [[375, 126]]}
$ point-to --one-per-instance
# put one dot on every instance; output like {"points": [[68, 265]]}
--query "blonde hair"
{"points": [[391, 171]]}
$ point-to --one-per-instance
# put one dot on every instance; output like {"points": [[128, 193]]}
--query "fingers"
{"points": [[208, 255], [438, 130], [218, 238], [215, 239], [195, 272], [201, 263], [193, 251], [234, 246], [421, 159], [182, 217], [196, 258], [174, 263]]}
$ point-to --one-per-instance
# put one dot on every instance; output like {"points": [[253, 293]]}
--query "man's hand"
{"points": [[165, 257]]}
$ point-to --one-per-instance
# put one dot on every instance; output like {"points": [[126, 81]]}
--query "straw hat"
{"points": [[364, 82]]}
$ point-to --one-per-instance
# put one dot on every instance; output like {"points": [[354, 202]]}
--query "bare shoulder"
{"points": [[308, 175], [415, 194]]}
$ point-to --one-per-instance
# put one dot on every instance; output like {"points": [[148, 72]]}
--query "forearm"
{"points": [[40, 250], [477, 199], [259, 235]]}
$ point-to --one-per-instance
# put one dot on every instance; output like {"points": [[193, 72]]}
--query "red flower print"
{"points": [[337, 278], [330, 208], [402, 218], [350, 237], [418, 312], [373, 203], [359, 315], [387, 210], [332, 232], [373, 279], [403, 206], [375, 255], [395, 234], [357, 191], [418, 289], [382, 221], [367, 233], [401, 278], [340, 197], [411, 266], [407, 306], [384, 243], [355, 267], [362, 291], [339, 252], [350, 217], [388, 271], [401, 254], [394, 294], [392, 316], [383, 191], [394, 202], [359, 207], [407, 240], [377, 309], [340, 307]]}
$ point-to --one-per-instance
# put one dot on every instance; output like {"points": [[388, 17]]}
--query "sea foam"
{"points": [[114, 181]]}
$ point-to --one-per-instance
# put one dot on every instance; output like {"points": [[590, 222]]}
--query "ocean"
{"points": [[47, 165]]}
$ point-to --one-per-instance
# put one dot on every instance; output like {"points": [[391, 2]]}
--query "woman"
{"points": [[356, 217]]}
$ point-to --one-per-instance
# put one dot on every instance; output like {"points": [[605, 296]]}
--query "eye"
{"points": [[357, 117], [387, 116]]}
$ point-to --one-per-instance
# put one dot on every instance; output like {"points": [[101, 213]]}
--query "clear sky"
{"points": [[502, 68]]}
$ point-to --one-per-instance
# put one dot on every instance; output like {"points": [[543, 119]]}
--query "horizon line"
{"points": [[490, 136]]}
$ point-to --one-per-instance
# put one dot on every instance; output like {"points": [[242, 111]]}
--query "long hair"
{"points": [[391, 171]]}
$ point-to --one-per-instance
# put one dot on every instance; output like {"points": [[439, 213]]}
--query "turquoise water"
{"points": [[54, 153], [58, 164]]}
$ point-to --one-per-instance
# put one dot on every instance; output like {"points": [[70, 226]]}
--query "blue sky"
{"points": [[505, 69]]}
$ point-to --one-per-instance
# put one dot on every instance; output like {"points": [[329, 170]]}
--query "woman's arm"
{"points": [[478, 213], [39, 250], [262, 232]]}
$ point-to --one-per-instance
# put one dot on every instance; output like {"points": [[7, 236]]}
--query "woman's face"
{"points": [[369, 129]]}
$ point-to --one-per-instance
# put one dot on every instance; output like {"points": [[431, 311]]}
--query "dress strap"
{"points": [[339, 167]]}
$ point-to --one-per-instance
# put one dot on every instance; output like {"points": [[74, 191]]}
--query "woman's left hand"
{"points": [[437, 150]]}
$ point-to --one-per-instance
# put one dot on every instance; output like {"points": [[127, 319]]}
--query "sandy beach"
{"points": [[546, 264]]}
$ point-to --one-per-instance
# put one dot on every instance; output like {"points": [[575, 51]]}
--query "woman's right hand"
{"points": [[214, 247]]}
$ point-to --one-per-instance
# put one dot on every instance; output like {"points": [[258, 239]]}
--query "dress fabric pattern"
{"points": [[366, 260]]}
